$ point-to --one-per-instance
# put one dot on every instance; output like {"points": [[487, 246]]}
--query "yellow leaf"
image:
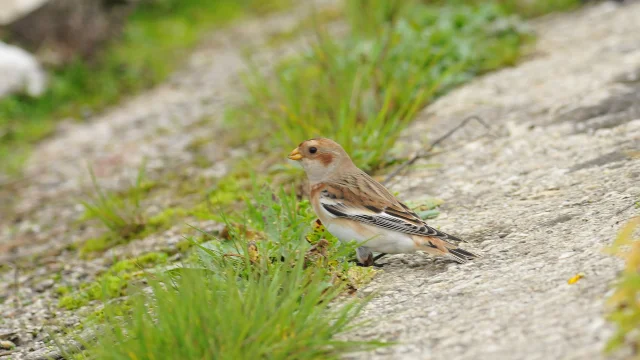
{"points": [[575, 278], [317, 225], [253, 251]]}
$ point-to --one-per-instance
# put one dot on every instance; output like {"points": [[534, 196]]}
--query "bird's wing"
{"points": [[360, 198]]}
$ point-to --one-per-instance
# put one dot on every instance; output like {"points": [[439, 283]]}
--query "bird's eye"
{"points": [[313, 150]]}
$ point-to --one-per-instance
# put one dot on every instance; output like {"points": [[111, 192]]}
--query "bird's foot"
{"points": [[378, 257], [370, 261], [369, 265]]}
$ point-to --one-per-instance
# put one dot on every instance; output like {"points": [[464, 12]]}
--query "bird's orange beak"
{"points": [[295, 155]]}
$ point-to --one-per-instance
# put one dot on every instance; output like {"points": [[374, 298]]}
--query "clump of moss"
{"points": [[71, 302], [63, 290], [116, 309], [99, 244], [111, 284], [143, 261], [167, 216], [228, 190]]}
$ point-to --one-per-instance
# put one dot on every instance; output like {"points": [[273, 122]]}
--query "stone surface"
{"points": [[540, 198]]}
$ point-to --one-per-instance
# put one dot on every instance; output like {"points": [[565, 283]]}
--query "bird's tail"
{"points": [[461, 255], [441, 247]]}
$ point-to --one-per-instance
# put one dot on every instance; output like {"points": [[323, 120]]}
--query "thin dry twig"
{"points": [[428, 153]]}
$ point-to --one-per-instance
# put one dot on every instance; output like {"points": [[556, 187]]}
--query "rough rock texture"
{"points": [[540, 198]]}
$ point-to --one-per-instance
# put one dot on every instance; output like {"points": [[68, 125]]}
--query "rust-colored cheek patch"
{"points": [[325, 159]]}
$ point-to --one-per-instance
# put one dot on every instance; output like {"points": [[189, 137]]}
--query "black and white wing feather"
{"points": [[370, 203]]}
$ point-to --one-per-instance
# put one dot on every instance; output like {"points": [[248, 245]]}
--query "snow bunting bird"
{"points": [[353, 206]]}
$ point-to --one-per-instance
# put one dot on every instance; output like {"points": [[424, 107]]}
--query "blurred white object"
{"points": [[20, 72], [11, 10]]}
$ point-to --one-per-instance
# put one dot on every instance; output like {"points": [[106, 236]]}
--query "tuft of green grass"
{"points": [[122, 216], [142, 261], [152, 45], [284, 314], [625, 309], [111, 284], [363, 89], [245, 297]]}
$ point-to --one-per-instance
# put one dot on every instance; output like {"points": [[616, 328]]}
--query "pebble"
{"points": [[44, 285], [7, 345]]}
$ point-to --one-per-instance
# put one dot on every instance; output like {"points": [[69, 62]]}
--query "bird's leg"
{"points": [[373, 261], [365, 258], [379, 256]]}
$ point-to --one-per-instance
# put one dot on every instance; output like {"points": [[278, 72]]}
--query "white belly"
{"points": [[375, 238]]}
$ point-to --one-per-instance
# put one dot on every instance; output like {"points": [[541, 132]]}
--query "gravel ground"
{"points": [[540, 198], [160, 127]]}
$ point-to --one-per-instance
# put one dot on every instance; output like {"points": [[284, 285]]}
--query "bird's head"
{"points": [[321, 158]]}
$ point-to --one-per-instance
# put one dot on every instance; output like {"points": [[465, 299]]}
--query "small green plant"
{"points": [[284, 314], [281, 227], [258, 293], [122, 216], [363, 89], [113, 283], [625, 308]]}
